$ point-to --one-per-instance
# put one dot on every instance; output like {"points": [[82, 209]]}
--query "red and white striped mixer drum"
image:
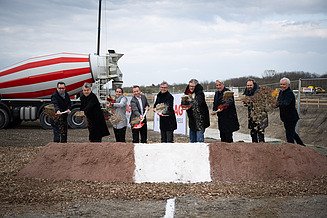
{"points": [[38, 77]]}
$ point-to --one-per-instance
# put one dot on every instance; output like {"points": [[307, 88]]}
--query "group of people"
{"points": [[227, 116], [89, 104], [288, 113], [197, 111]]}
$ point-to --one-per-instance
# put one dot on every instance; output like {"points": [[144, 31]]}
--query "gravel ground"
{"points": [[22, 197]]}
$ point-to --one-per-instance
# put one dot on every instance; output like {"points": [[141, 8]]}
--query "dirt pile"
{"points": [[229, 162], [265, 162], [112, 162]]}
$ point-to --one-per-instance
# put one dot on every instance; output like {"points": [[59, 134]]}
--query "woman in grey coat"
{"points": [[120, 113]]}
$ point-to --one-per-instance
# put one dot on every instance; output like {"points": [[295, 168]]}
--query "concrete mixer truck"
{"points": [[26, 87]]}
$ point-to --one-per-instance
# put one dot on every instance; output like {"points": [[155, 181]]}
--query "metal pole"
{"points": [[298, 104], [99, 24]]}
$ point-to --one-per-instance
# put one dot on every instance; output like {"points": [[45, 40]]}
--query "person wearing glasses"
{"points": [[197, 112], [167, 118], [62, 105], [96, 123], [288, 113], [120, 111], [224, 107]]}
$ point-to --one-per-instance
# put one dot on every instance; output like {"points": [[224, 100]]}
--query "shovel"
{"points": [[64, 112], [140, 124]]}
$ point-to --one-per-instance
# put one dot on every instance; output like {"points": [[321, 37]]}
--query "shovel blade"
{"points": [[138, 126]]}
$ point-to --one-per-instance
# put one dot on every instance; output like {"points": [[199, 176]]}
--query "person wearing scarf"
{"points": [[198, 113]]}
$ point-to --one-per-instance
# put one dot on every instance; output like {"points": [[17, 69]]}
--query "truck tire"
{"points": [[45, 121], [4, 118], [76, 122]]}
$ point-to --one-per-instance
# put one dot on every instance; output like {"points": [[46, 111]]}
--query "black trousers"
{"points": [[167, 136], [226, 136], [257, 135], [60, 127], [120, 134], [93, 139], [291, 135], [143, 132]]}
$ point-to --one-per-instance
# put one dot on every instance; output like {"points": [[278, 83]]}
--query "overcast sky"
{"points": [[173, 40]]}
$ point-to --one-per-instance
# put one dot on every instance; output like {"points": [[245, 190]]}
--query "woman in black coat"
{"points": [[198, 113], [226, 112], [96, 123], [288, 112], [167, 119]]}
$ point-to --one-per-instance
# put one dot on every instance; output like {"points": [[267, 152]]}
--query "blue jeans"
{"points": [[196, 136]]}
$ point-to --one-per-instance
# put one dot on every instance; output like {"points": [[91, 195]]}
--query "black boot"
{"points": [[261, 137], [254, 136]]}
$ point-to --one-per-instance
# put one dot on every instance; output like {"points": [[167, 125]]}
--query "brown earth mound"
{"points": [[83, 161], [229, 162], [264, 162]]}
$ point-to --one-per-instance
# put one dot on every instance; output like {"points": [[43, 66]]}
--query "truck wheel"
{"points": [[76, 122], [4, 118], [45, 121]]}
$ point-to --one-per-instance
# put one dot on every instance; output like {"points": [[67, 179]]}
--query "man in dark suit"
{"points": [[139, 104], [62, 105], [288, 112], [167, 120]]}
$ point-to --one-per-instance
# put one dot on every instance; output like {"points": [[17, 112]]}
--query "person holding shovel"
{"points": [[257, 112], [197, 111], [224, 108], [164, 107], [288, 113], [62, 105], [139, 108], [96, 122], [120, 123]]}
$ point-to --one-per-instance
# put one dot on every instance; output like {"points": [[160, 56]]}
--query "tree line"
{"points": [[269, 77]]}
